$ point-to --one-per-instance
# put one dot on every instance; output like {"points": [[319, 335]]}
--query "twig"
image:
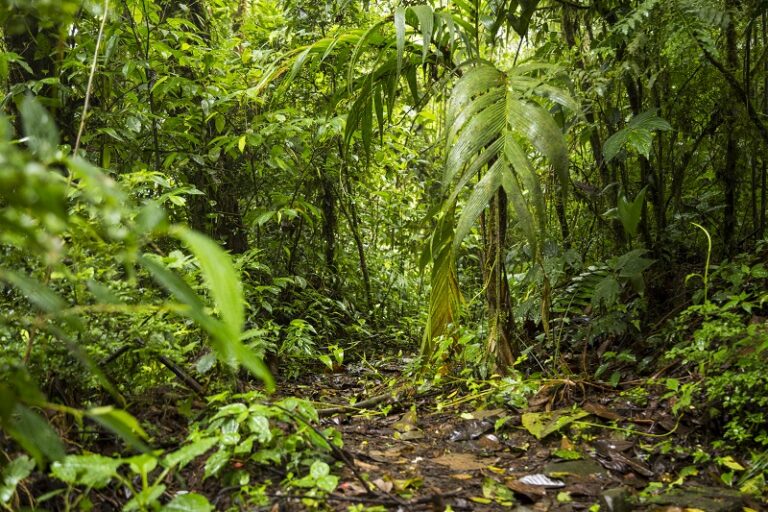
{"points": [[88, 89], [342, 455], [387, 398]]}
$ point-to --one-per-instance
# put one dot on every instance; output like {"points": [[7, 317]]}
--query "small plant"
{"points": [[727, 349], [334, 359]]}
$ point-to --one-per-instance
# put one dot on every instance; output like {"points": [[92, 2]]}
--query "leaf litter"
{"points": [[573, 455]]}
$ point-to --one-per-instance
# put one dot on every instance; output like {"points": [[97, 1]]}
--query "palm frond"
{"points": [[493, 122]]}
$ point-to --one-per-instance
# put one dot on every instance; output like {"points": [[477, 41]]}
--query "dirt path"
{"points": [[445, 450]]}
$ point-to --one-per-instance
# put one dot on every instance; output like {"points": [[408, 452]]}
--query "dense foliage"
{"points": [[527, 188]]}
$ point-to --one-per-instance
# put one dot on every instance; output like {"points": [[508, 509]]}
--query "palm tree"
{"points": [[496, 118]]}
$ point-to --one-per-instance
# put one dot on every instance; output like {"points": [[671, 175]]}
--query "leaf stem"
{"points": [[89, 88]]}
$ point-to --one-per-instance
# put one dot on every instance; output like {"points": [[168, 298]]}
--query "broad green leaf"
{"points": [[121, 423], [425, 16], [606, 292], [259, 425], [328, 483], [541, 424], [188, 453], [36, 292], [146, 499], [637, 134], [16, 471], [216, 462], [400, 36], [142, 464], [224, 341], [632, 264], [319, 469], [102, 293], [173, 283], [92, 471], [630, 212], [34, 434], [190, 502], [482, 193], [39, 128]]}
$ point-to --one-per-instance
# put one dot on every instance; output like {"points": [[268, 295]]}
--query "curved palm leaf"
{"points": [[491, 121], [490, 117]]}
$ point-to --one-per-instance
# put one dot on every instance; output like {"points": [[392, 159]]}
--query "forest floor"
{"points": [[572, 447], [464, 445]]}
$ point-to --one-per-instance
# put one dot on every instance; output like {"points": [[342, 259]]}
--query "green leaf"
{"points": [[175, 285], [426, 18], [637, 134], [606, 292], [632, 264], [36, 292], [224, 341], [142, 464], [186, 454], [630, 212], [92, 471], [145, 499], [399, 19], [121, 423], [102, 293], [259, 425], [39, 128], [541, 424], [191, 502], [216, 462], [328, 483], [220, 277], [34, 434], [16, 471], [319, 469]]}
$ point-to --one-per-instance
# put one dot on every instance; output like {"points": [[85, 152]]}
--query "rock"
{"points": [[615, 500]]}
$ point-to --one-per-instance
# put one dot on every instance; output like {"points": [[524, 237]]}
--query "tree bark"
{"points": [[501, 343], [728, 174]]}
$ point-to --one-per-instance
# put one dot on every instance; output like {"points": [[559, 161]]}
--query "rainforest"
{"points": [[371, 255]]}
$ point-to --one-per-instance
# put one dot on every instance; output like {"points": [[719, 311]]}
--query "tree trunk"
{"points": [[501, 343], [728, 174]]}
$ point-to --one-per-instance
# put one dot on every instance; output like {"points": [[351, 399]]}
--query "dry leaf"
{"points": [[462, 461]]}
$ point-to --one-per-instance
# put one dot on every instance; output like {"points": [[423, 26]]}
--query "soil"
{"points": [[476, 447], [448, 449]]}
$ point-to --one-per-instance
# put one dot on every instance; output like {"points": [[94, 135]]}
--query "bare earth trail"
{"points": [[448, 450]]}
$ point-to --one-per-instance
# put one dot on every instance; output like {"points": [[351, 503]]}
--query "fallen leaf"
{"points": [[410, 483], [542, 481], [602, 412], [532, 492], [541, 424], [392, 456], [365, 466], [462, 461], [383, 485], [481, 414], [462, 476], [407, 422], [409, 435], [352, 488], [471, 429]]}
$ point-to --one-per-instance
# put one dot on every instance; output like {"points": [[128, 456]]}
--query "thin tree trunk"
{"points": [[764, 177], [501, 344], [329, 224], [728, 174], [350, 212]]}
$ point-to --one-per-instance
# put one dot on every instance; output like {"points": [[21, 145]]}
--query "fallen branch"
{"points": [[385, 398]]}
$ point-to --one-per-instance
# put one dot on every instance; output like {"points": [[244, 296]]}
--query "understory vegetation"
{"points": [[260, 254]]}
